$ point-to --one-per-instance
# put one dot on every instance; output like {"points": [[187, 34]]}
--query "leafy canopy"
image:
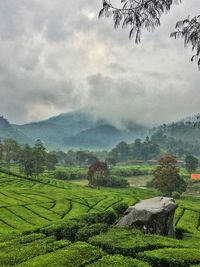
{"points": [[146, 14], [167, 178]]}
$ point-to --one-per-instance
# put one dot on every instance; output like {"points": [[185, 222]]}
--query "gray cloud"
{"points": [[56, 56]]}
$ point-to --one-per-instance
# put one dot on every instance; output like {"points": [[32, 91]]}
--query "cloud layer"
{"points": [[57, 56]]}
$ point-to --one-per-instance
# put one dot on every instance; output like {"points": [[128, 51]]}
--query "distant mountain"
{"points": [[81, 130], [180, 137], [104, 136], [184, 130], [8, 131]]}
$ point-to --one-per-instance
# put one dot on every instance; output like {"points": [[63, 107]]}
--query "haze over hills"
{"points": [[78, 129], [81, 129], [9, 131]]}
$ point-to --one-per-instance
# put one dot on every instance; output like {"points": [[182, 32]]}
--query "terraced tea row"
{"points": [[53, 209], [23, 207]]}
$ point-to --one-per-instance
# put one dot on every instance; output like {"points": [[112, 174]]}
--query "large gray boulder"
{"points": [[154, 216]]}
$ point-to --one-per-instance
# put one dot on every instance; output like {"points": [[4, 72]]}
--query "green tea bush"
{"points": [[118, 261], [14, 253], [63, 230], [128, 242], [189, 222], [120, 208], [107, 217], [176, 195], [25, 239], [179, 232], [171, 257], [62, 175], [88, 231], [76, 255]]}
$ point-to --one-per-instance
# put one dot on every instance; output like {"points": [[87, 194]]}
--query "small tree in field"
{"points": [[167, 178], [96, 171]]}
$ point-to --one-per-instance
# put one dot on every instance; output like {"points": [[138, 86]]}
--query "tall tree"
{"points": [[167, 178], [1, 151], [11, 150], [51, 161], [39, 152], [26, 161], [146, 14], [191, 163]]}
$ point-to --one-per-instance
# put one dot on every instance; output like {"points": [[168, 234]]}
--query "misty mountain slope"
{"points": [[8, 131], [78, 120], [182, 130], [103, 136], [80, 129], [54, 130]]}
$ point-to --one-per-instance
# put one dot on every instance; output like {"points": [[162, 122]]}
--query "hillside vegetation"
{"points": [[48, 222]]}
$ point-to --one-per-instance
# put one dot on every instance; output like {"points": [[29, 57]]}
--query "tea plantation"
{"points": [[49, 222]]}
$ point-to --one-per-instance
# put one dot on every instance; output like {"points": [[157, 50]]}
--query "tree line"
{"points": [[32, 160]]}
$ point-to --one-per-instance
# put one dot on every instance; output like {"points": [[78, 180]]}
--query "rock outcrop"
{"points": [[154, 216]]}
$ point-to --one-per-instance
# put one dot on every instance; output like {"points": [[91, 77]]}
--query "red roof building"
{"points": [[195, 177]]}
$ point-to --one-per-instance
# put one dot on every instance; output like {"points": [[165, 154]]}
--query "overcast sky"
{"points": [[57, 56]]}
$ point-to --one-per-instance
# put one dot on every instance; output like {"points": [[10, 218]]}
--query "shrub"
{"points": [[128, 242], [179, 233], [118, 261], [76, 255], [88, 231], [150, 184], [120, 208], [171, 257], [62, 175], [129, 172], [176, 195], [63, 230], [25, 239], [107, 217], [15, 253], [69, 174]]}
